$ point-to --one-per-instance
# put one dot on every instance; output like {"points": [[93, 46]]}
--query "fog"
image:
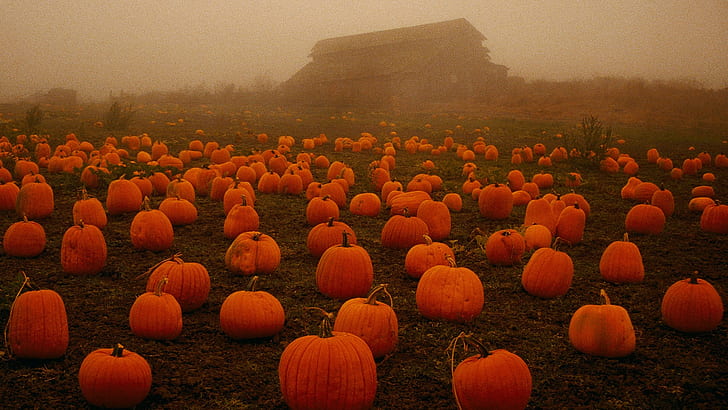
{"points": [[99, 47]]}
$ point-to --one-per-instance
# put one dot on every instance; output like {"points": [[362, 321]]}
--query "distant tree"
{"points": [[33, 119], [118, 117]]}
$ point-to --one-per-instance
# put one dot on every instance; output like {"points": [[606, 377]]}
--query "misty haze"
{"points": [[137, 47]]}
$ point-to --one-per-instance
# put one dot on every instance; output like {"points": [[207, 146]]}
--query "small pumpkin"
{"points": [[602, 330], [645, 219], [505, 247], [115, 378], [38, 326], [450, 293], [83, 250], [715, 219], [495, 379], [423, 256], [25, 239], [375, 322], [621, 262], [156, 315], [548, 273], [151, 229], [251, 253], [345, 270], [327, 234], [251, 314], [403, 231], [692, 305], [188, 282]]}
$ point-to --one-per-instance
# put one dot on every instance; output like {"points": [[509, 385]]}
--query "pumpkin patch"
{"points": [[273, 198]]}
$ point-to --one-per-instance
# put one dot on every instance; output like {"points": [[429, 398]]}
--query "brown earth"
{"points": [[203, 368]]}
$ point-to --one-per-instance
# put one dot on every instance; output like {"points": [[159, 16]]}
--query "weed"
{"points": [[118, 117], [33, 119], [591, 139]]}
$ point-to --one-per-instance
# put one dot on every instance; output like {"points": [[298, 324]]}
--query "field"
{"points": [[203, 368]]}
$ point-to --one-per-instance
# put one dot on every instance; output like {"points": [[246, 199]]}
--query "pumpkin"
{"points": [[83, 250], [251, 314], [365, 204], [548, 273], [8, 194], [495, 201], [35, 200], [345, 270], [570, 224], [621, 262], [627, 191], [702, 190], [449, 293], [644, 190], [375, 322], [403, 231], [319, 209], [537, 236], [326, 371], [516, 179], [336, 192], [663, 199], [407, 200], [698, 204], [151, 229], [538, 211], [454, 201], [241, 218], [188, 282], [89, 210], [327, 234], [572, 198], [144, 184], [602, 330], [505, 247], [692, 305], [156, 315], [115, 378], [38, 326], [25, 239], [123, 196], [182, 188], [252, 252], [496, 379], [437, 217], [179, 211], [645, 219], [423, 256], [235, 193], [715, 219]]}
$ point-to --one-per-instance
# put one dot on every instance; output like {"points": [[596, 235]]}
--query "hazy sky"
{"points": [[97, 46]]}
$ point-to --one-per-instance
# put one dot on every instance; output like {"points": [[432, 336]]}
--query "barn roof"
{"points": [[433, 31]]}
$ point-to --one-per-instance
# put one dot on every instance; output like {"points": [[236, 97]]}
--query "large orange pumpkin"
{"points": [[327, 371], [115, 378]]}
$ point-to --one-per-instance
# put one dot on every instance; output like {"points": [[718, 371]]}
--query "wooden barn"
{"points": [[435, 62]]}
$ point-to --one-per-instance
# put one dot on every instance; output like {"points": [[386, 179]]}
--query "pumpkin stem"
{"points": [[450, 261], [345, 240], [428, 240], [603, 293], [252, 285], [625, 238], [118, 350], [326, 323], [372, 298], [160, 285], [26, 282], [465, 339], [175, 258], [330, 222], [694, 278]]}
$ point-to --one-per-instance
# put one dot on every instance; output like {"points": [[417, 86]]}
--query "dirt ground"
{"points": [[203, 368]]}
